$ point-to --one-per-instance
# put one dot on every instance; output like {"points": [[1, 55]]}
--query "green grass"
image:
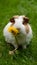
{"points": [[8, 8]]}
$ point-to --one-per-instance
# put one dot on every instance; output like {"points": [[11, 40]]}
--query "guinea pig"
{"points": [[21, 23]]}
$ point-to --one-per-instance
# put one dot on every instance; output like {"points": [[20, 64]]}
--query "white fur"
{"points": [[22, 38]]}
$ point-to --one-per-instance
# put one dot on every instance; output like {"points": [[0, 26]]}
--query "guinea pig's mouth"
{"points": [[17, 32], [14, 30]]}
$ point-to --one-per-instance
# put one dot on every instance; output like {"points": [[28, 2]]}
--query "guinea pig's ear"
{"points": [[26, 20], [12, 20], [16, 16]]}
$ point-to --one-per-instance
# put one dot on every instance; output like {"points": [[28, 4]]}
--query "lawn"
{"points": [[8, 8]]}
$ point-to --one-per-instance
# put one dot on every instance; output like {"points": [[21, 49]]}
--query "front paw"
{"points": [[11, 52]]}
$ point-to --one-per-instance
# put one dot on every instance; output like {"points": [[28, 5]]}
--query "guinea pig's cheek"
{"points": [[24, 30]]}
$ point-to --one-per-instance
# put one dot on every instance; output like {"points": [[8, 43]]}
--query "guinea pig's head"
{"points": [[19, 22]]}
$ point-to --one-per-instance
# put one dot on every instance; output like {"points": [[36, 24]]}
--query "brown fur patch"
{"points": [[27, 28], [25, 19], [12, 20]]}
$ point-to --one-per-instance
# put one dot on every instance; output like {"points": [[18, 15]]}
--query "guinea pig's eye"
{"points": [[12, 20], [25, 20]]}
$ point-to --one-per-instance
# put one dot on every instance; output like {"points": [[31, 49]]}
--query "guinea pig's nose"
{"points": [[18, 29]]}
